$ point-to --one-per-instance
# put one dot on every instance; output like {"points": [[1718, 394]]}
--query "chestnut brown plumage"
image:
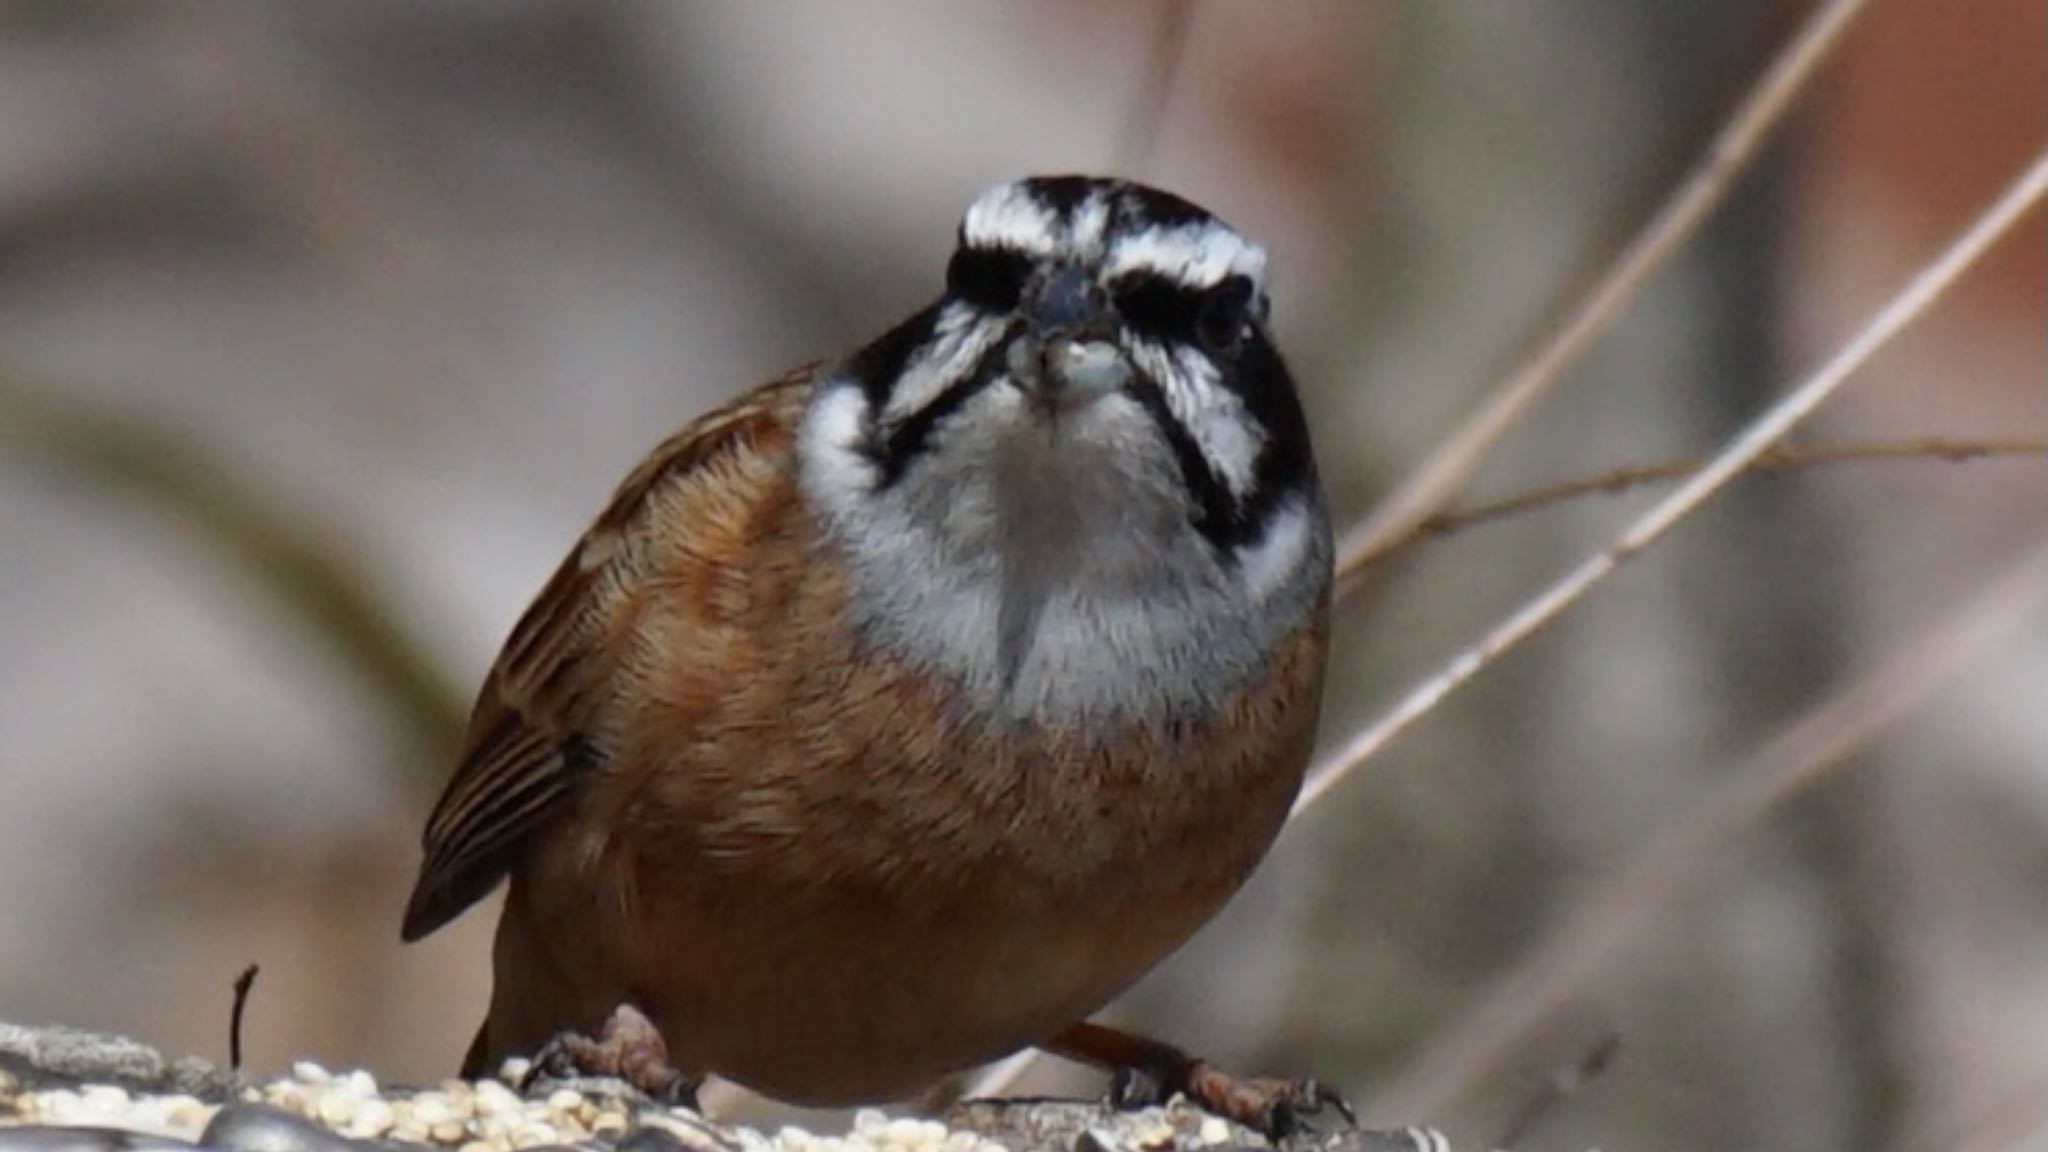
{"points": [[900, 713]]}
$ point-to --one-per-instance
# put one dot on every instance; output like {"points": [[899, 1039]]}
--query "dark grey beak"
{"points": [[1066, 302], [1068, 354]]}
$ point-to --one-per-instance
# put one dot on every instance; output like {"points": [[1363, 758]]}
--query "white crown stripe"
{"points": [[1199, 255], [1090, 227], [1112, 233], [1009, 216]]}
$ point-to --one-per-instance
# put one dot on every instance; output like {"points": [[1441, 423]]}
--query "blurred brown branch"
{"points": [[1785, 458], [1692, 201], [1799, 757], [1760, 436]]}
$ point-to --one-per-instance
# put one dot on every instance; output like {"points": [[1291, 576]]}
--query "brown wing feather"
{"points": [[533, 734]]}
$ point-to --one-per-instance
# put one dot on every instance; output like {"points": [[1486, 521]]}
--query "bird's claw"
{"points": [[1277, 1108], [629, 1048]]}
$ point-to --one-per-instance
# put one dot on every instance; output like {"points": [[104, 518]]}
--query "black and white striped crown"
{"points": [[1188, 292]]}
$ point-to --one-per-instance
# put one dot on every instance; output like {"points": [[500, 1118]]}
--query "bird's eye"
{"points": [[989, 278], [1152, 304], [1226, 314], [1217, 318]]}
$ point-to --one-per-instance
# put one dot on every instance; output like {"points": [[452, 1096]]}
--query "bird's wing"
{"points": [[535, 734]]}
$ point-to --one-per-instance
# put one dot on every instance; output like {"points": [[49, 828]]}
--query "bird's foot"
{"points": [[1144, 1072], [1277, 1108], [628, 1048]]}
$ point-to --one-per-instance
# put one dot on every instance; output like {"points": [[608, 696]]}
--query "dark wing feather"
{"points": [[533, 735]]}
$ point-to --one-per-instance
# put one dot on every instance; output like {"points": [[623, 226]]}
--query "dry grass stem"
{"points": [[1801, 755], [1444, 473], [1751, 443], [1783, 458]]}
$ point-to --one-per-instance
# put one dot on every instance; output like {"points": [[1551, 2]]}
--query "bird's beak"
{"points": [[1067, 354]]}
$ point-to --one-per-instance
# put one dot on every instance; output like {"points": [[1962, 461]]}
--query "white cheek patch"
{"points": [[834, 442], [1217, 420], [1008, 216], [1266, 567], [1198, 255], [1211, 413], [961, 338]]}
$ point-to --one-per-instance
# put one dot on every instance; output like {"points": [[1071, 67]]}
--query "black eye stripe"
{"points": [[1155, 305], [990, 278], [1161, 306], [878, 365]]}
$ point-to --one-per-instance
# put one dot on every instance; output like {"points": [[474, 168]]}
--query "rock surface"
{"points": [[63, 1090]]}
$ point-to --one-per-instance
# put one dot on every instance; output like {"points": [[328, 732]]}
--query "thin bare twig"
{"points": [[243, 984], [1921, 292], [1451, 464], [1783, 458], [1800, 756]]}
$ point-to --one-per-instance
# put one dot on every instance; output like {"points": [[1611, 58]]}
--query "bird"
{"points": [[897, 715]]}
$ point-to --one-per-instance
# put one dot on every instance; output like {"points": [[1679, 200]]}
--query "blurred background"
{"points": [[324, 329]]}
